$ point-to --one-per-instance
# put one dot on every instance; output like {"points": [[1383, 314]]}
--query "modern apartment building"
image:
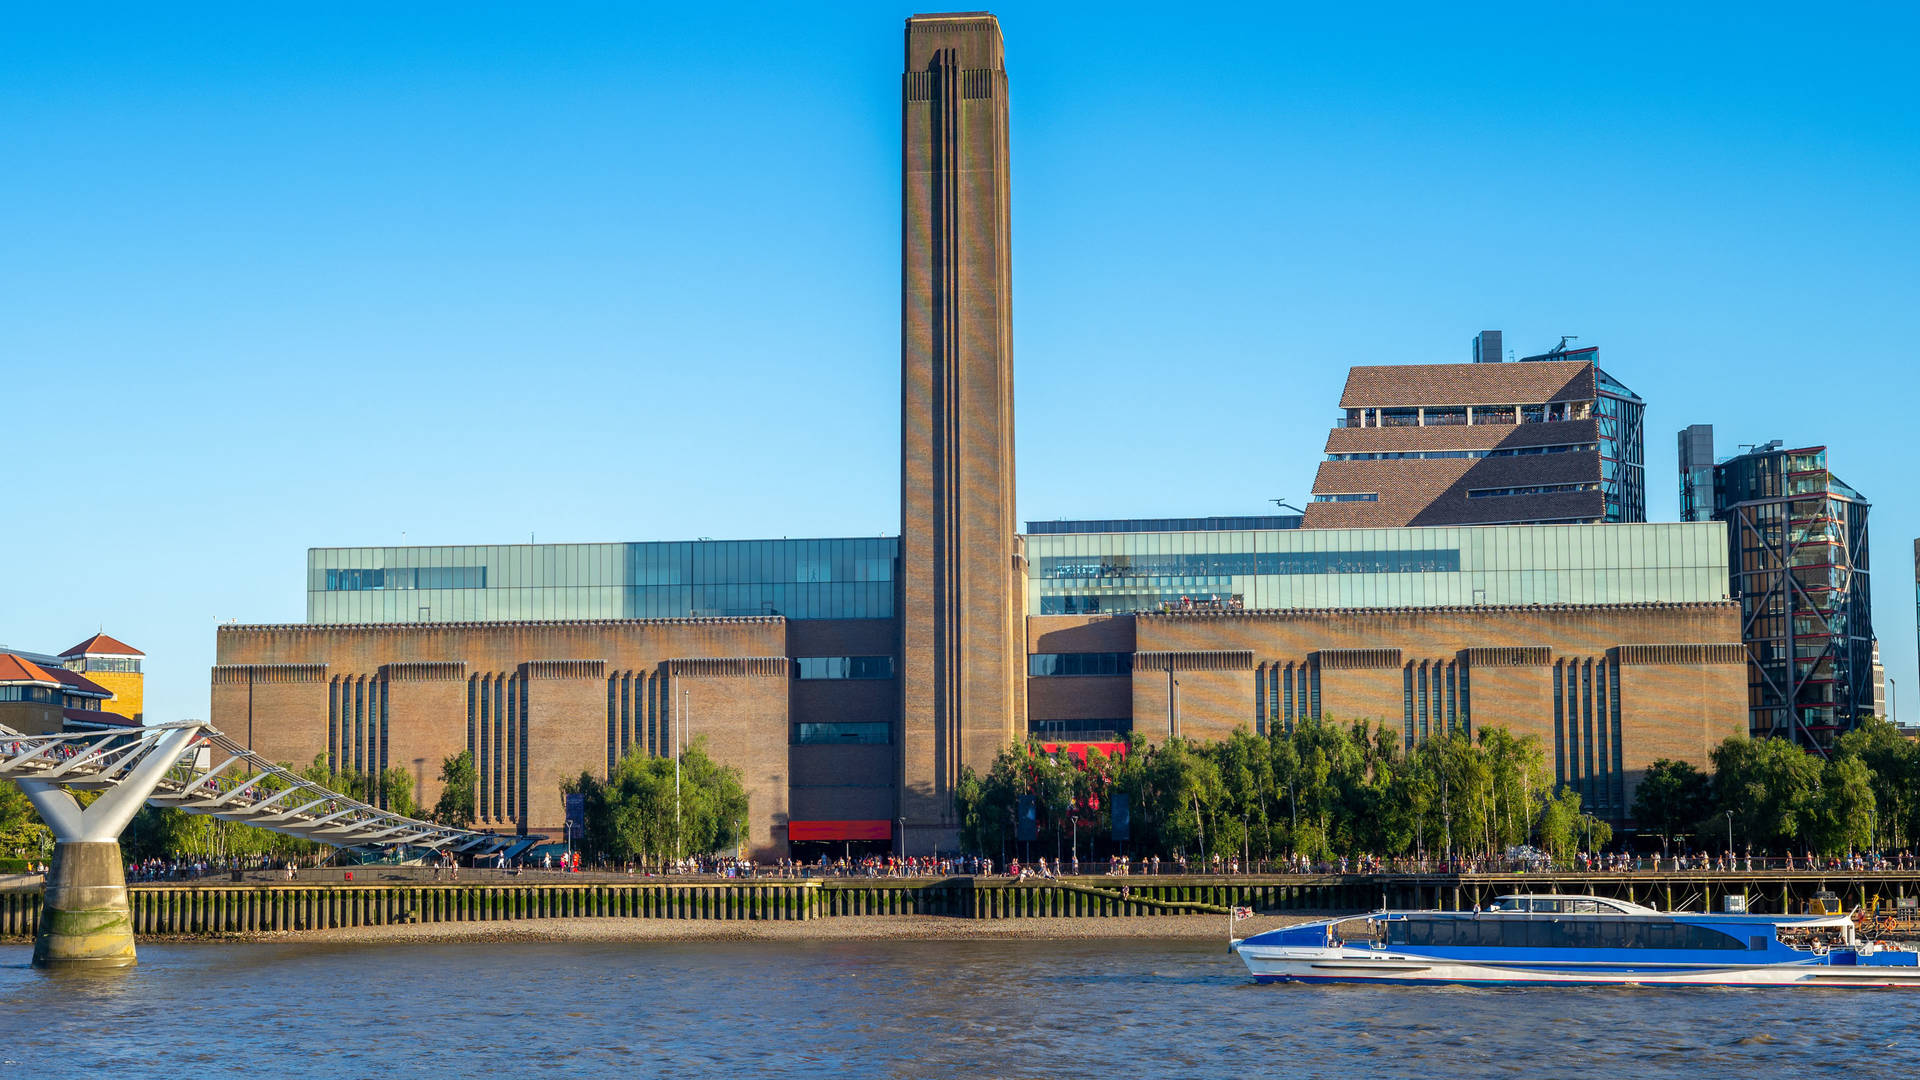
{"points": [[1798, 561], [1551, 439]]}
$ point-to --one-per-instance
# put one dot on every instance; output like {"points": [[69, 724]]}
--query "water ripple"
{"points": [[992, 1009]]}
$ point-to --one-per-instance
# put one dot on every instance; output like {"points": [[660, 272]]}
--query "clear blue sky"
{"points": [[273, 278]]}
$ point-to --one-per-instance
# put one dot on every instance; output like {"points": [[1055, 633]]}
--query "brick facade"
{"points": [[537, 703], [1606, 689]]}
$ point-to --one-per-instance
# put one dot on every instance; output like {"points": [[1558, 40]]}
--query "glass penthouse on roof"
{"points": [[800, 579], [1324, 568], [1135, 569]]}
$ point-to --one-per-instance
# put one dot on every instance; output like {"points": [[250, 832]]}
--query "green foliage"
{"points": [[1773, 789], [1673, 798], [1326, 788], [459, 781], [1844, 814], [157, 832], [167, 833], [1322, 789], [22, 836], [164, 832], [631, 815], [1893, 764]]}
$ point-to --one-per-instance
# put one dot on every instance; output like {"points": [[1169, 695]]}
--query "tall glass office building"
{"points": [[849, 578], [1328, 568]]}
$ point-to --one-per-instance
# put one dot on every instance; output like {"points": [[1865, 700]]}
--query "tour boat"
{"points": [[1528, 940]]}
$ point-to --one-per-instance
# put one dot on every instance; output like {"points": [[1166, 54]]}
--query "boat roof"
{"points": [[1606, 904], [1609, 906]]}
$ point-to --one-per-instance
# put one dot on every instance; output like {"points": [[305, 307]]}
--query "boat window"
{"points": [[1544, 903], [1584, 907], [1509, 903], [1571, 933], [1700, 937]]}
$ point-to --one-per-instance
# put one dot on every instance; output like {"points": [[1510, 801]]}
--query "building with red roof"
{"points": [[97, 682]]}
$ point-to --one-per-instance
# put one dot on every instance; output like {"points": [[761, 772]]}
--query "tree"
{"points": [[1893, 763], [1673, 797], [1331, 769], [1773, 788], [633, 813], [459, 781], [22, 836], [1560, 825], [396, 793], [1845, 810], [1246, 775]]}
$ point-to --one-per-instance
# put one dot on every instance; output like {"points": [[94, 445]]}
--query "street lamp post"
{"points": [[685, 704], [903, 836], [1729, 834]]}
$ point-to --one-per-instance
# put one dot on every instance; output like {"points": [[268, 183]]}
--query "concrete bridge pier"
{"points": [[85, 921]]}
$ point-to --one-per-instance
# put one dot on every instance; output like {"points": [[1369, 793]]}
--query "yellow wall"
{"points": [[128, 696]]}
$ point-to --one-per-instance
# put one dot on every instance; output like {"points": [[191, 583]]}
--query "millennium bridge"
{"points": [[190, 766]]}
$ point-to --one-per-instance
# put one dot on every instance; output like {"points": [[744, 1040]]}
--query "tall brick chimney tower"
{"points": [[961, 626]]}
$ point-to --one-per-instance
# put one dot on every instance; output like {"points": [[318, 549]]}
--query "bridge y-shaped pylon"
{"points": [[189, 766]]}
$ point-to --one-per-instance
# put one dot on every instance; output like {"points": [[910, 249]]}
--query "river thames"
{"points": [[993, 1008]]}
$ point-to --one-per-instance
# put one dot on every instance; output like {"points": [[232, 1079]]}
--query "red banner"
{"points": [[1078, 750]]}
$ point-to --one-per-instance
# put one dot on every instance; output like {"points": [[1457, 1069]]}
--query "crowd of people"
{"points": [[919, 866], [185, 869]]}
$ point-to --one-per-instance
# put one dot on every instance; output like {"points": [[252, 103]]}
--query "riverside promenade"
{"points": [[264, 902]]}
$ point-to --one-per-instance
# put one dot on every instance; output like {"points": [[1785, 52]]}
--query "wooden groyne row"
{"points": [[235, 909], [179, 909], [232, 909]]}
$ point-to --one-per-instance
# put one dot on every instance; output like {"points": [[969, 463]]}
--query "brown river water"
{"points": [[1083, 1008]]}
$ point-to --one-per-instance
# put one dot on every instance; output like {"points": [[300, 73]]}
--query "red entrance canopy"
{"points": [[881, 829]]}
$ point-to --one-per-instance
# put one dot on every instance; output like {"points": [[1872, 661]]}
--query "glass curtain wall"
{"points": [[1621, 416], [849, 578], [1326, 568]]}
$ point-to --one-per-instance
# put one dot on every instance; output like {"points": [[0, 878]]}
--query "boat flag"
{"points": [[1242, 913]]}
